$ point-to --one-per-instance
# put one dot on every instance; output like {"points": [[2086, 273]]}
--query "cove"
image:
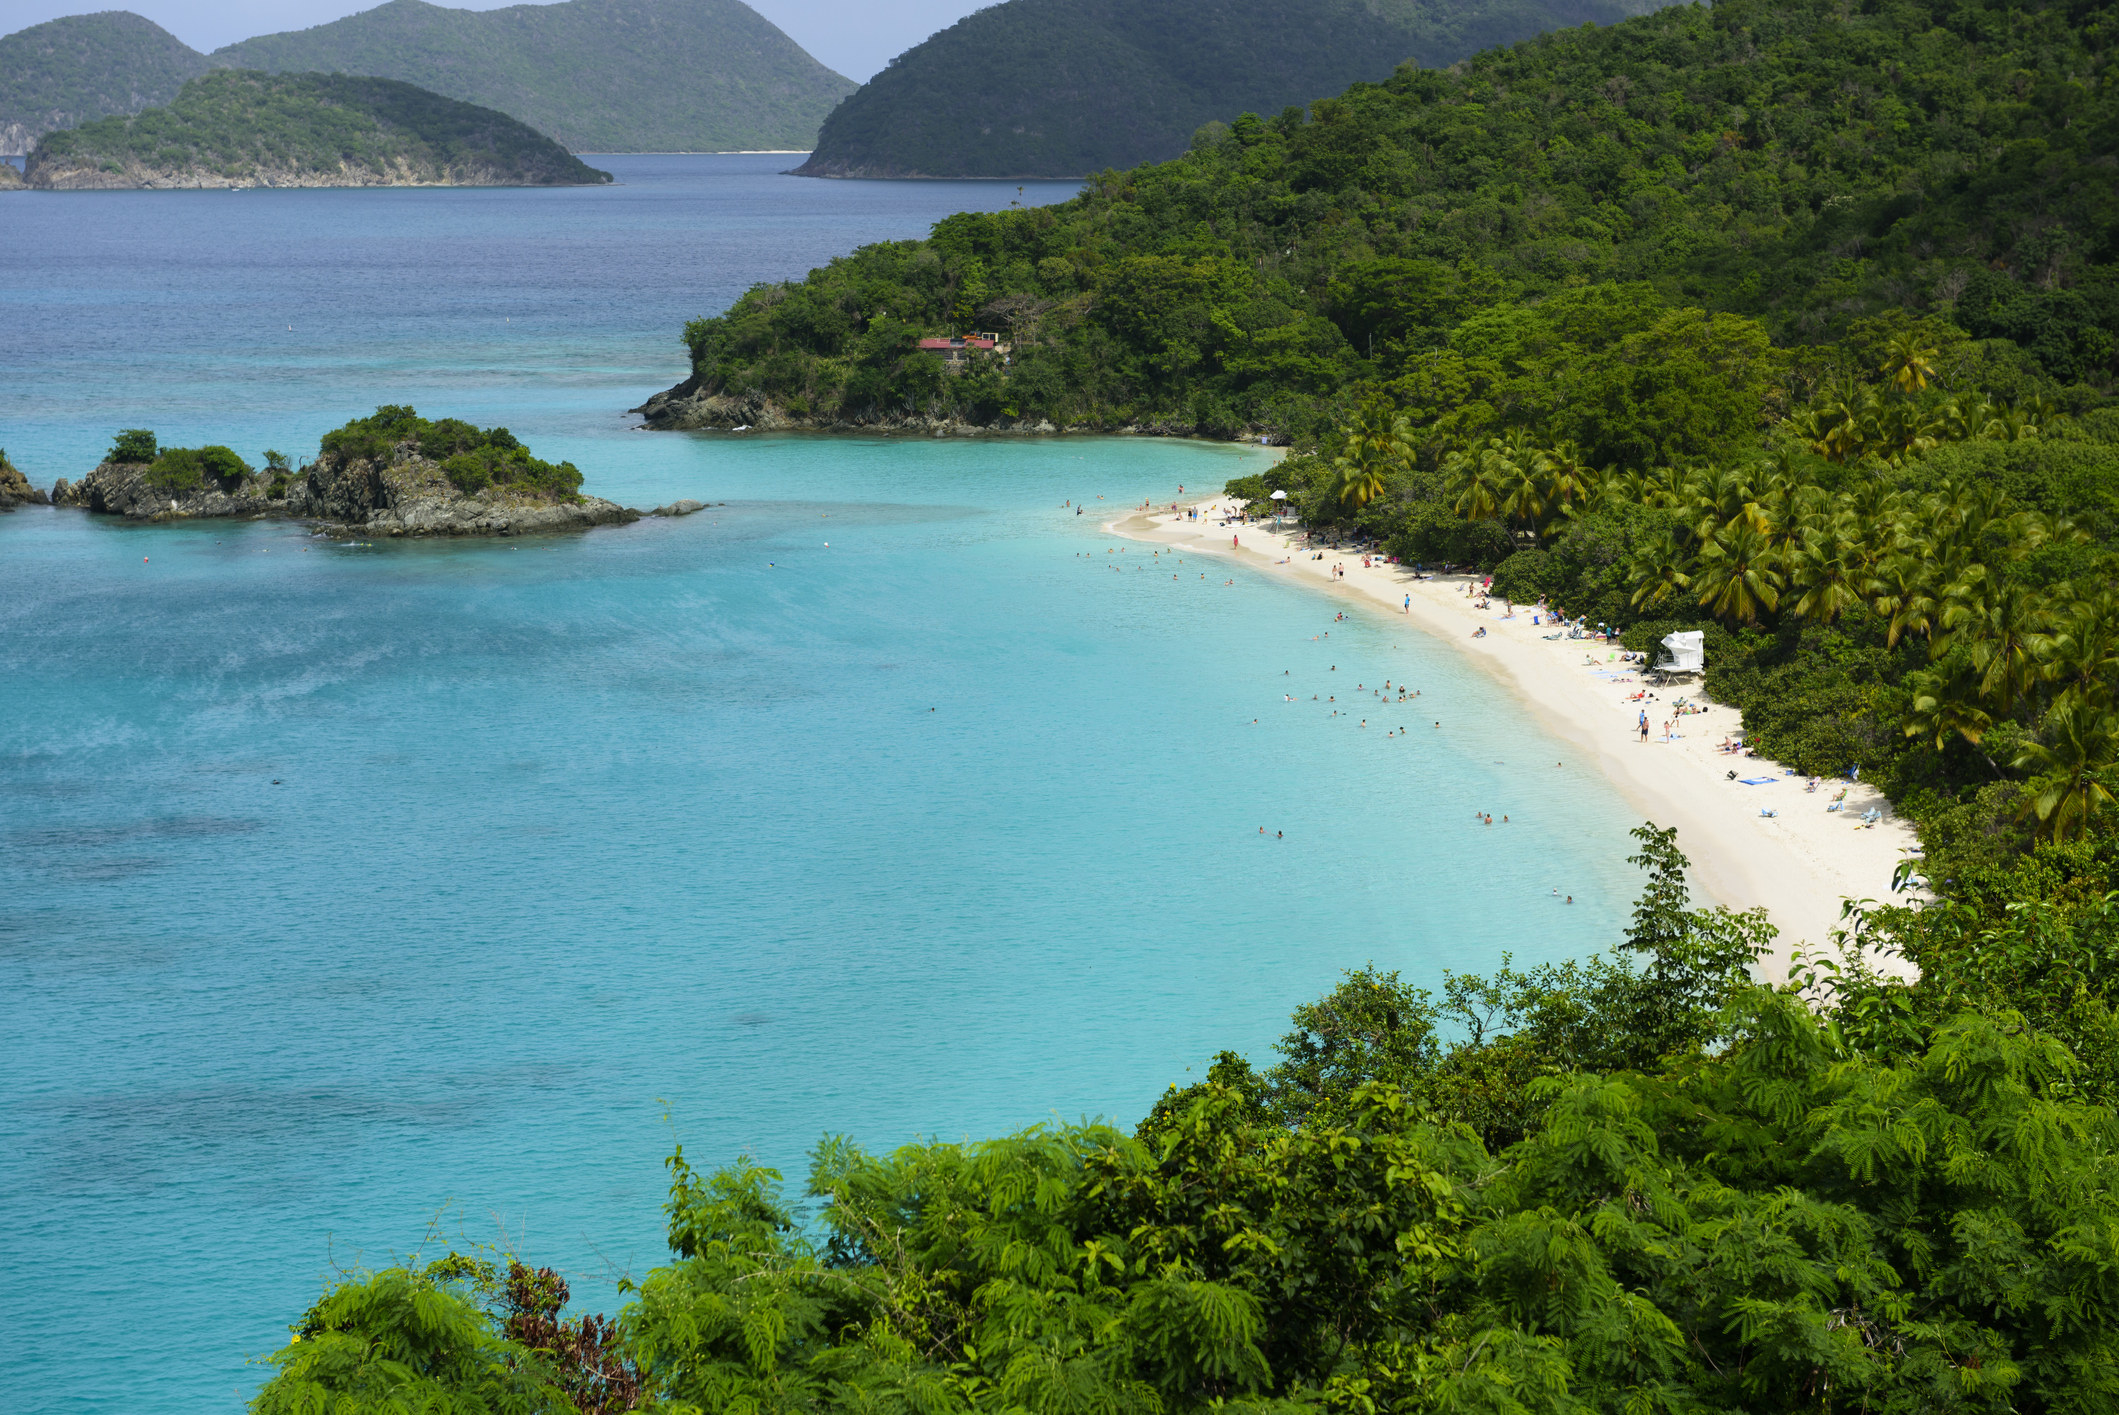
{"points": [[344, 890], [345, 884]]}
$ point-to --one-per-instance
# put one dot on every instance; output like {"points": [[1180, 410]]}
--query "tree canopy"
{"points": [[1782, 171]]}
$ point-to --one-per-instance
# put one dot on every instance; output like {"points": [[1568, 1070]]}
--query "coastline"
{"points": [[1799, 865]]}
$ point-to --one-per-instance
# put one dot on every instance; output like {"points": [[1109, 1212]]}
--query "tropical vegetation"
{"points": [[1069, 87], [472, 458], [236, 126], [1792, 324], [1644, 1183], [597, 75], [1781, 171]]}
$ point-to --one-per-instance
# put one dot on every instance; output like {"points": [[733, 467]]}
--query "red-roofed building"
{"points": [[956, 350]]}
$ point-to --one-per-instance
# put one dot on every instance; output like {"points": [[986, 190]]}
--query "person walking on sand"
{"points": [[1644, 724]]}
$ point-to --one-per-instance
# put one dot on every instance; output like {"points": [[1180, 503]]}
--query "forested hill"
{"points": [[1062, 88], [71, 71], [236, 128], [1800, 164], [598, 75]]}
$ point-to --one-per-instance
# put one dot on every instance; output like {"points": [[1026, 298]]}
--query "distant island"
{"points": [[393, 473], [64, 73], [235, 128], [1064, 88], [595, 75]]}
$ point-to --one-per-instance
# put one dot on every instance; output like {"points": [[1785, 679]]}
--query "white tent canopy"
{"points": [[1687, 650]]}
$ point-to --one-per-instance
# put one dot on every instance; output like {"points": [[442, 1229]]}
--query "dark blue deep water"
{"points": [[348, 890]]}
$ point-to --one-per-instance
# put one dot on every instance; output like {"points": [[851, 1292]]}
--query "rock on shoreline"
{"points": [[15, 489], [686, 408], [407, 496]]}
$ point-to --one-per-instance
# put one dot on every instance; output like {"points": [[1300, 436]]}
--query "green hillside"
{"points": [[238, 128], [72, 71], [1062, 88], [1798, 165], [598, 75]]}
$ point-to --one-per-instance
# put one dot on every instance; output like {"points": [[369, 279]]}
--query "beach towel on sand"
{"points": [[1759, 780]]}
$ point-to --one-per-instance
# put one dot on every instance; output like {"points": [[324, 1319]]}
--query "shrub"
{"points": [[177, 469], [472, 458], [1525, 576], [134, 445], [372, 439], [222, 464]]}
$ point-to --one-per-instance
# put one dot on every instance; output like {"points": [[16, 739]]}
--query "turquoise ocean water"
{"points": [[342, 888]]}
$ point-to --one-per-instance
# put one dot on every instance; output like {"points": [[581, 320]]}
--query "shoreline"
{"points": [[1798, 865]]}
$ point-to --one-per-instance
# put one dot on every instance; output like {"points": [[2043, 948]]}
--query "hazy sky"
{"points": [[856, 37]]}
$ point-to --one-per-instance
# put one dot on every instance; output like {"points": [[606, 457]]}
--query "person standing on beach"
{"points": [[1644, 724]]}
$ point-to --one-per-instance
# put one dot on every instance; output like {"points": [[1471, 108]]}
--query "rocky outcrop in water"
{"points": [[131, 490], [686, 409], [407, 496], [15, 489], [411, 496]]}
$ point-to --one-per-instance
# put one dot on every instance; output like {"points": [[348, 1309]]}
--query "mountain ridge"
{"points": [[638, 75], [597, 75], [1070, 87], [74, 70]]}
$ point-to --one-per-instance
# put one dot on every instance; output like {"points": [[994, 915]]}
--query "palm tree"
{"points": [[1946, 703], [1902, 429], [1902, 589], [1569, 479], [1715, 499], [1739, 574], [1826, 567], [1492, 479], [1377, 443], [1658, 571], [1964, 416], [2082, 654], [2007, 626], [2069, 768], [1908, 363]]}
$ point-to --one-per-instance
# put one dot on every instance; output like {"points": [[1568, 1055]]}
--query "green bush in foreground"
{"points": [[1644, 1184], [472, 458]]}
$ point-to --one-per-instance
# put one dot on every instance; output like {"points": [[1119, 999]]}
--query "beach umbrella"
{"points": [[1278, 496]]}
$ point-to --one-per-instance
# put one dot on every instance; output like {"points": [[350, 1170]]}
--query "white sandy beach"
{"points": [[1799, 864]]}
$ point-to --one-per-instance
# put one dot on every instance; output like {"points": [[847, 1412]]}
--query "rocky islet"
{"points": [[402, 494]]}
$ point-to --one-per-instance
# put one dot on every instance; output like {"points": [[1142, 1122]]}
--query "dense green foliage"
{"points": [[1900, 1203], [1790, 167], [133, 445], [470, 457], [1794, 324], [598, 75], [71, 71], [1900, 573], [240, 126], [1063, 88], [190, 468]]}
